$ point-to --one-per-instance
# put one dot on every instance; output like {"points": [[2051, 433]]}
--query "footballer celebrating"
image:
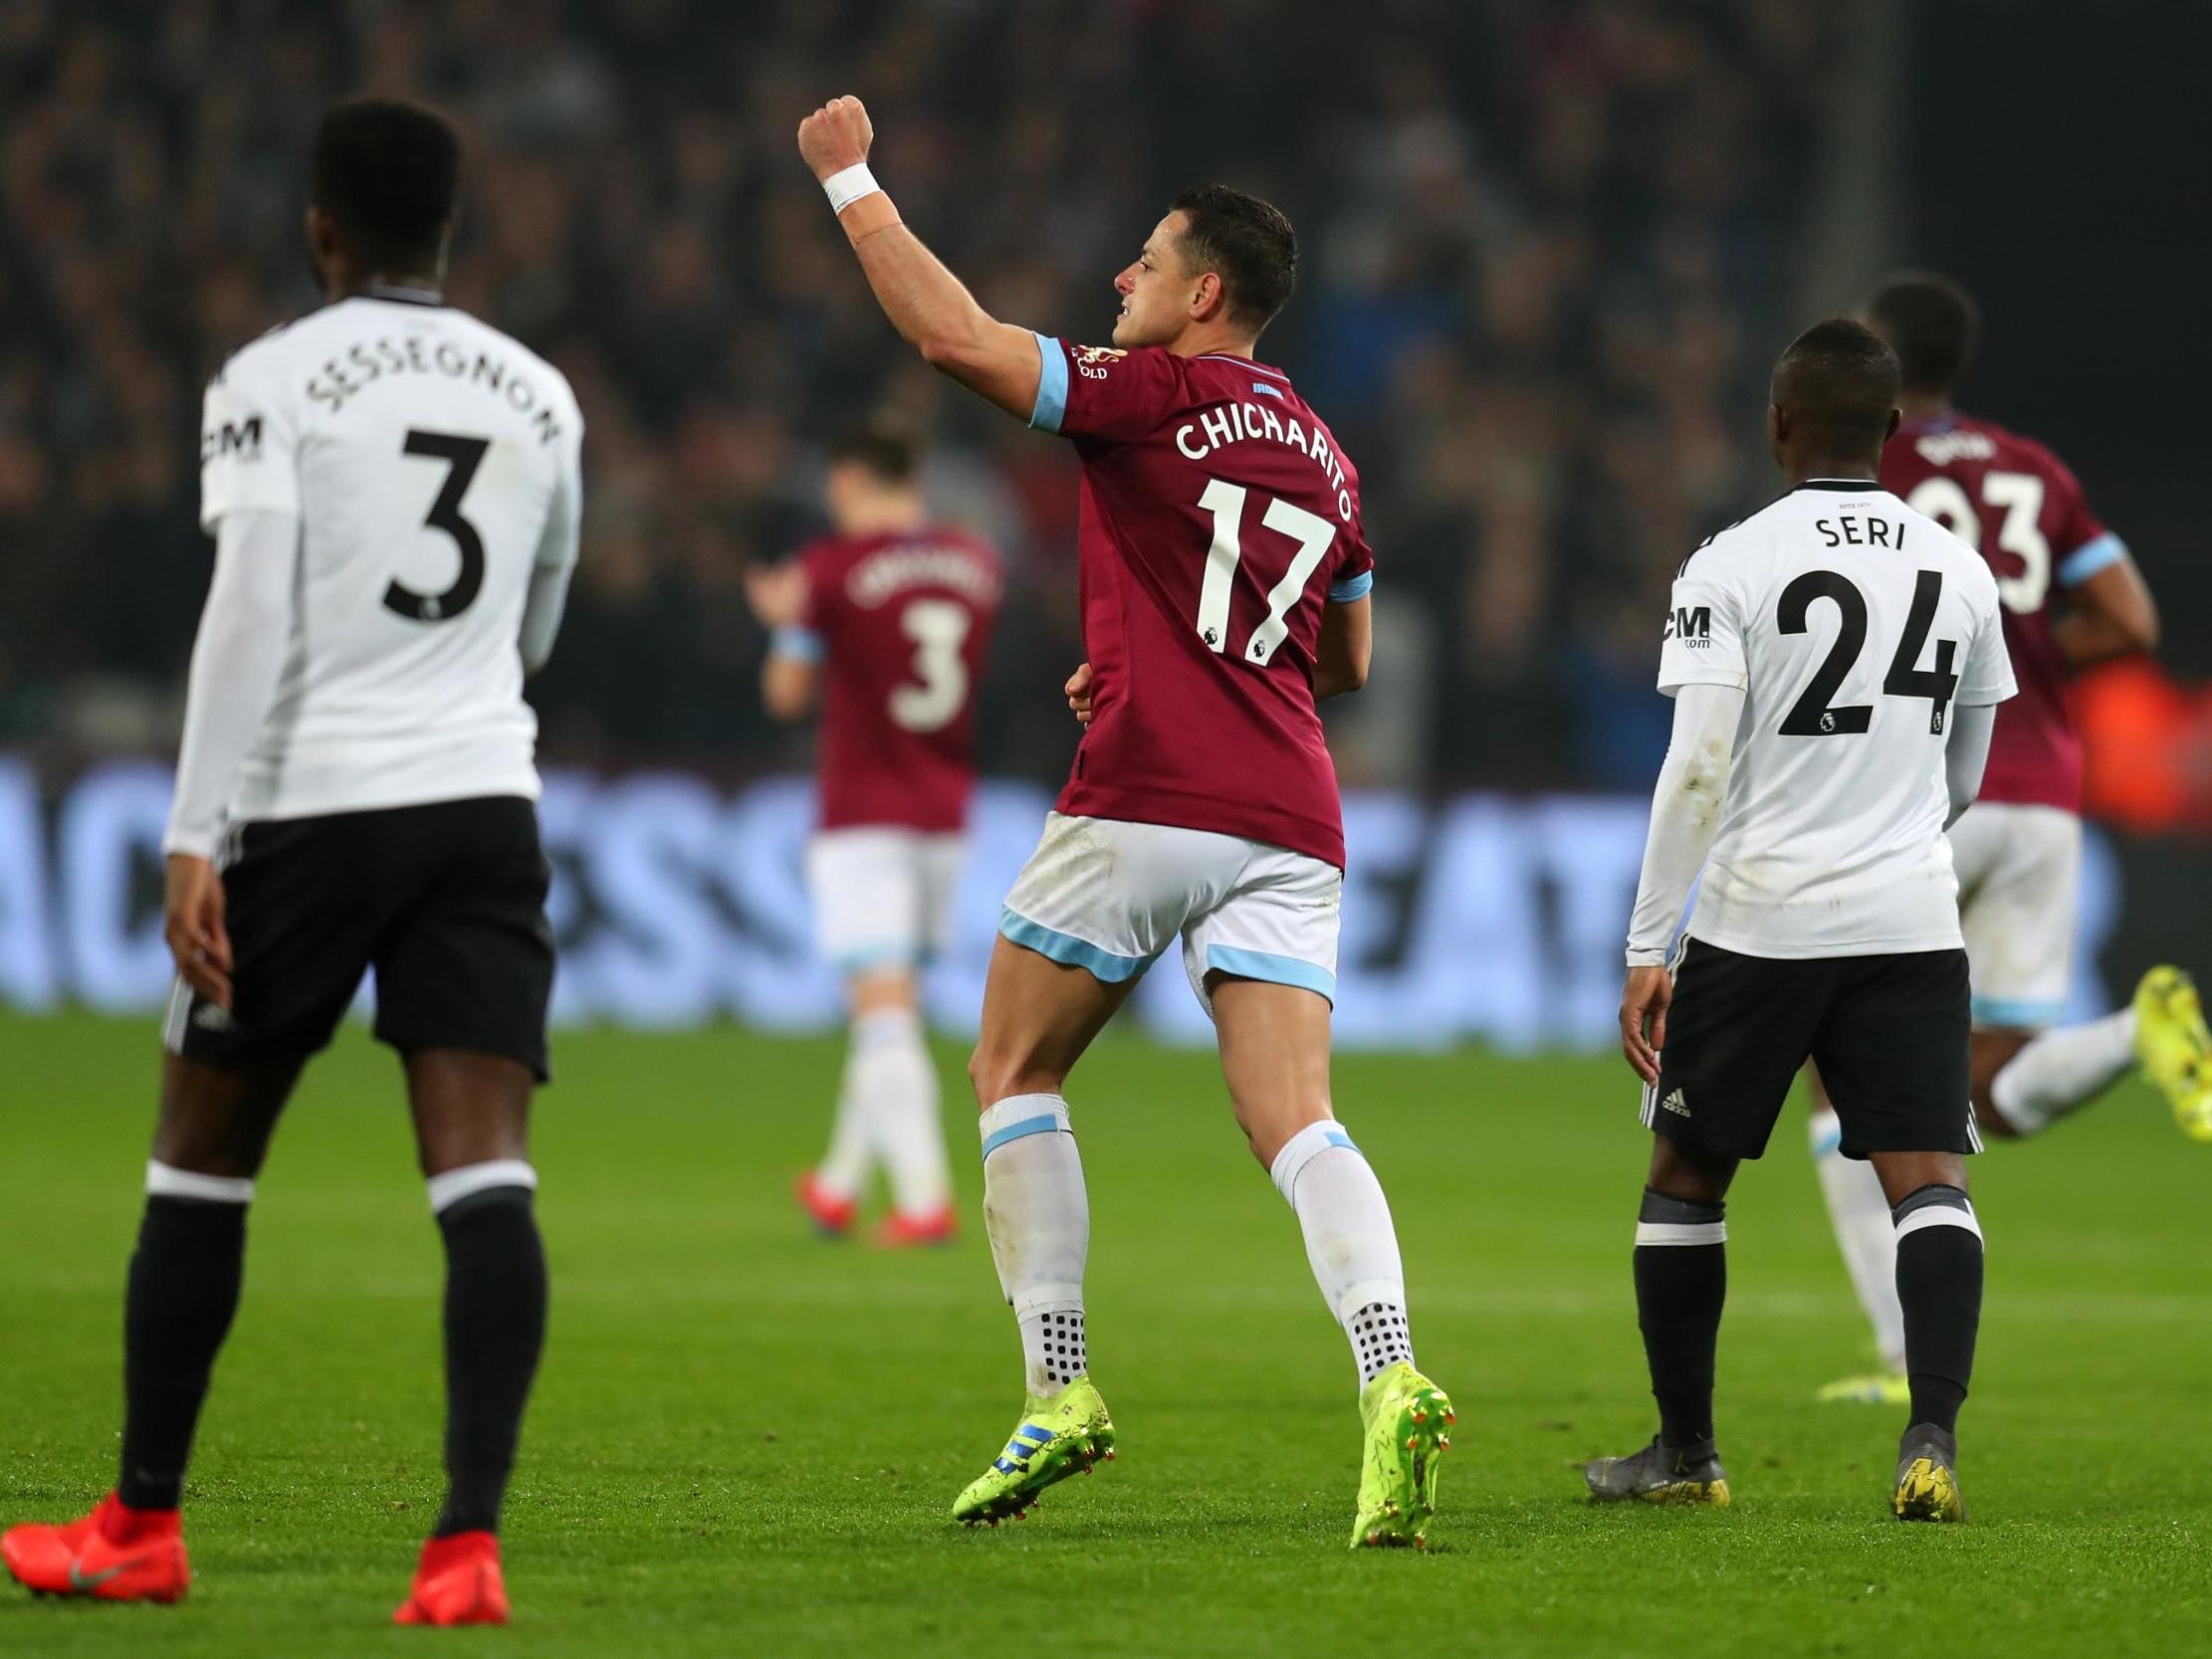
{"points": [[1225, 581], [393, 488], [887, 622], [2019, 851], [1834, 662]]}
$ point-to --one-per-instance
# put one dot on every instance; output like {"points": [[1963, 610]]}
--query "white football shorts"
{"points": [[1110, 896], [883, 896], [2019, 888]]}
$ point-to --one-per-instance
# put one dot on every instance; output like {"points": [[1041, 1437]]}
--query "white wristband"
{"points": [[845, 188]]}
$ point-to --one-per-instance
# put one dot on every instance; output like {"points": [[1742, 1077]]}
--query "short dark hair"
{"points": [[1933, 322], [1838, 382], [387, 172], [882, 447], [1247, 242]]}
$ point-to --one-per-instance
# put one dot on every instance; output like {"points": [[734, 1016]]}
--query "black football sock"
{"points": [[183, 1293], [1682, 1279], [1939, 1285], [495, 1327]]}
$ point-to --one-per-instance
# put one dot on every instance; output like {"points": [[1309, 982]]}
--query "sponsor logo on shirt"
{"points": [[1691, 624], [239, 438], [1093, 361]]}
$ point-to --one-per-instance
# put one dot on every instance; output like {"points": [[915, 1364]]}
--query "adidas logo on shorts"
{"points": [[1675, 1104]]}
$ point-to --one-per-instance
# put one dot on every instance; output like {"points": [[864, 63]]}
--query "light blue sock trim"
{"points": [[2098, 553], [875, 956], [1050, 407], [1274, 969], [1351, 588], [2019, 1013], [1302, 1148], [1070, 951], [1045, 1124]]}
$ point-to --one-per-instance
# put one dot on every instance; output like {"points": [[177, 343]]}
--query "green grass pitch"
{"points": [[745, 1442]]}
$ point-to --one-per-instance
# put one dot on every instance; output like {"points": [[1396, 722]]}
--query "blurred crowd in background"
{"points": [[1546, 250]]}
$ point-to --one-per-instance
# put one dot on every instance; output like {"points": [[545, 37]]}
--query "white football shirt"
{"points": [[1851, 623], [432, 464]]}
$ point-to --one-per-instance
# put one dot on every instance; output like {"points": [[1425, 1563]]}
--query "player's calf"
{"points": [[1940, 1282], [1352, 1246], [1681, 1284], [495, 1330]]}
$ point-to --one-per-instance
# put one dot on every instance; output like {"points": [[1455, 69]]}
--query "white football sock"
{"points": [[2061, 1070], [844, 1170], [896, 1082], [1351, 1243], [1038, 1217], [1860, 1213]]}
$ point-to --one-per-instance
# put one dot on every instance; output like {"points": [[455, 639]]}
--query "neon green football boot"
{"points": [[1408, 1419], [1884, 1387], [1065, 1434], [2174, 1047]]}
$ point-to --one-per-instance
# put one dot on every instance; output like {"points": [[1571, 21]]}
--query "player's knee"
{"points": [[1991, 1121], [1690, 1174], [216, 1120], [996, 1073], [469, 1109], [884, 990]]}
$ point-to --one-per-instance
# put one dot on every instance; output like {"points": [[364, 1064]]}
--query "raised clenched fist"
{"points": [[836, 136]]}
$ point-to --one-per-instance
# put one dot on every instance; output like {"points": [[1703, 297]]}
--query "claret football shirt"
{"points": [[1218, 520], [903, 623], [2017, 505]]}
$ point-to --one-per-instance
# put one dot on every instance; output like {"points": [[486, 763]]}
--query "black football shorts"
{"points": [[1888, 1033], [446, 901]]}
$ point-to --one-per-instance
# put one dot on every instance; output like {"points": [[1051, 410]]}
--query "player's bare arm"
{"points": [[1345, 650], [2110, 615], [929, 306]]}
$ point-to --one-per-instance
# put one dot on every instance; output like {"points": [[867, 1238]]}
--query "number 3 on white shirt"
{"points": [[938, 628], [1313, 534]]}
